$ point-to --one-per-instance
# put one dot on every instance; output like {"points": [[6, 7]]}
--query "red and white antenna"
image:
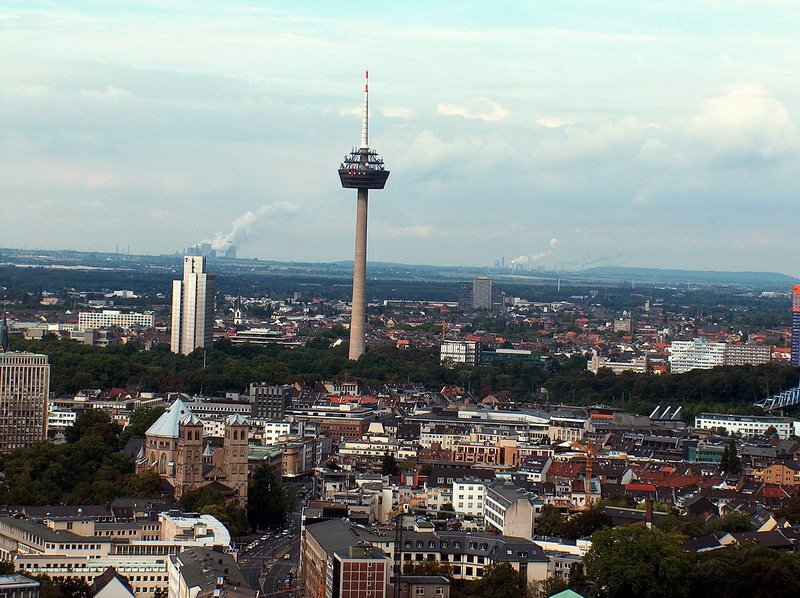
{"points": [[365, 116]]}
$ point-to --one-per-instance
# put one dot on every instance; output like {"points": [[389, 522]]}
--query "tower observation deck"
{"points": [[361, 169]]}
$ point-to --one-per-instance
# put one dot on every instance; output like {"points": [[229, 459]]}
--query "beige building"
{"points": [[192, 307], [83, 548], [113, 317], [24, 391], [174, 448]]}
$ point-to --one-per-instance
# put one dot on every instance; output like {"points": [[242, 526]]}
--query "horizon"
{"points": [[655, 136]]}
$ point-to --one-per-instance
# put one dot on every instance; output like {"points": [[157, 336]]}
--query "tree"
{"points": [[140, 421], [746, 570], [585, 523], [389, 465], [549, 521], [268, 503], [94, 422], [732, 522], [730, 461], [6, 567], [791, 510], [552, 585], [634, 561], [498, 581], [196, 499]]}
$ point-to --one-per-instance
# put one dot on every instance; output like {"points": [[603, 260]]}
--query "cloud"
{"points": [[554, 242], [552, 122], [525, 261], [483, 109], [350, 111], [397, 112], [745, 123], [110, 94]]}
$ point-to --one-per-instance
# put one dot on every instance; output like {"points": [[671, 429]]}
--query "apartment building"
{"points": [[114, 318], [511, 511], [83, 548], [468, 496]]}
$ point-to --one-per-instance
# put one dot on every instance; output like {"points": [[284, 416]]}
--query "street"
{"points": [[264, 566]]}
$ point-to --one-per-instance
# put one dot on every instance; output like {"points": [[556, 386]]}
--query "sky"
{"points": [[551, 134]]}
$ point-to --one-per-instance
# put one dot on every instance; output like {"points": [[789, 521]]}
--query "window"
{"points": [[420, 591]]}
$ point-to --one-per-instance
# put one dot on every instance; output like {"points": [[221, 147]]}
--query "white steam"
{"points": [[243, 225]]}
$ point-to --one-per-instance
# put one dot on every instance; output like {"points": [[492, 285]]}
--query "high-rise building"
{"points": [[795, 358], [361, 169], [192, 307], [481, 293], [270, 401], [24, 390]]}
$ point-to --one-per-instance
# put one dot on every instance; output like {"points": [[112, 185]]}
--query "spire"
{"points": [[365, 116]]}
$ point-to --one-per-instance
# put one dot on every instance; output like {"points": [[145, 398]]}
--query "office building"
{"points": [[695, 354], [112, 317], [481, 293], [745, 425], [702, 354], [192, 307], [452, 352], [795, 358], [24, 391], [270, 401]]}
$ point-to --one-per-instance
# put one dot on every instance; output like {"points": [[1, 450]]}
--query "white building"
{"points": [[81, 548], [192, 307], [468, 497], [112, 317], [452, 352], [273, 432], [695, 354], [746, 425], [58, 420]]}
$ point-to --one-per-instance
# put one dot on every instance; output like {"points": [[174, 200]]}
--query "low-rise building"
{"points": [[745, 425], [206, 573]]}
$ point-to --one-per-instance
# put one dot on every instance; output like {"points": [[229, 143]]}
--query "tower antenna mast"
{"points": [[361, 169]]}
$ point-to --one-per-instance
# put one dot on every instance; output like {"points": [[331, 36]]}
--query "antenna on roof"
{"points": [[365, 116]]}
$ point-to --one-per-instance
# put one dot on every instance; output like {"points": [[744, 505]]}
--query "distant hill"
{"points": [[708, 276]]}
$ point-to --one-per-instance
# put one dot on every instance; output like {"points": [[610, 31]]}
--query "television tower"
{"points": [[361, 169]]}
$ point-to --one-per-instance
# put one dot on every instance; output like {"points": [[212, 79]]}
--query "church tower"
{"points": [[236, 447], [189, 455]]}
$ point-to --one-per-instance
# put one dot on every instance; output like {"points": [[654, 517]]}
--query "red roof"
{"points": [[640, 487]]}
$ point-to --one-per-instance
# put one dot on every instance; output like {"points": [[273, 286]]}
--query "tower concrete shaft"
{"points": [[361, 169], [358, 314]]}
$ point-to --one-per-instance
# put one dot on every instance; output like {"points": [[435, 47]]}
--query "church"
{"points": [[174, 448]]}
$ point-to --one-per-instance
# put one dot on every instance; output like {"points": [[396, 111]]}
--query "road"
{"points": [[264, 566]]}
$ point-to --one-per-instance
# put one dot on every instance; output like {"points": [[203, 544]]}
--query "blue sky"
{"points": [[659, 134]]}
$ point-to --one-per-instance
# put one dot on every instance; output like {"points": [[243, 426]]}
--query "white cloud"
{"points": [[110, 94], [555, 242], [552, 122], [745, 121], [483, 109], [397, 112]]}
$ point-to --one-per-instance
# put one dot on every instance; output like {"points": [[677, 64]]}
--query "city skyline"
{"points": [[647, 135]]}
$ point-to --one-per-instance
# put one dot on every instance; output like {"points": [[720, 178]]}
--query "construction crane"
{"points": [[444, 328], [590, 449], [397, 513]]}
